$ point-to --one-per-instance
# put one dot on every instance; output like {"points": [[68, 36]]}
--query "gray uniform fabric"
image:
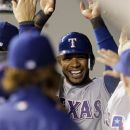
{"points": [[86, 104], [117, 109]]}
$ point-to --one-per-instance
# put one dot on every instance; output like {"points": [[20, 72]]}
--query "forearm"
{"points": [[104, 40], [41, 19]]}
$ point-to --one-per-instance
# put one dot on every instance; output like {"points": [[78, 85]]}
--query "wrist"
{"points": [[41, 18], [97, 22], [26, 23], [26, 26]]}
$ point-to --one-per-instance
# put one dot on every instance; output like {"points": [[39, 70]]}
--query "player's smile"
{"points": [[76, 73], [75, 67]]}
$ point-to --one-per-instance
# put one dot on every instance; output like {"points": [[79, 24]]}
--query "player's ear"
{"points": [[89, 64]]}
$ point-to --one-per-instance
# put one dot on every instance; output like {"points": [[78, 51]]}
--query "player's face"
{"points": [[74, 67]]}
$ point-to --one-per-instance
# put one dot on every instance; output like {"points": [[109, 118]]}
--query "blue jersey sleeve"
{"points": [[104, 40], [67, 124], [28, 27]]}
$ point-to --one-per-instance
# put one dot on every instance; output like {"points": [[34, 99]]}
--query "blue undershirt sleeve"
{"points": [[28, 27], [104, 40]]}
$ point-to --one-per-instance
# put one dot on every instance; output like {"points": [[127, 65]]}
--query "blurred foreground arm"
{"points": [[24, 12], [47, 9]]}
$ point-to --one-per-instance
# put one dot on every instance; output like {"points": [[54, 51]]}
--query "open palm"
{"points": [[92, 11]]}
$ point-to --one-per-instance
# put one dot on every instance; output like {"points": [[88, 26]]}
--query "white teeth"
{"points": [[76, 72]]}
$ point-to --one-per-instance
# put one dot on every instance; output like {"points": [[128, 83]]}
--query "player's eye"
{"points": [[81, 56], [67, 57]]}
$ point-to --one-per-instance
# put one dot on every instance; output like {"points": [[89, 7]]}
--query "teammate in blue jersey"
{"points": [[32, 80]]}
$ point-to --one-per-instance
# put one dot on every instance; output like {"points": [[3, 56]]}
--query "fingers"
{"points": [[104, 53], [24, 10], [50, 10], [123, 40], [32, 2], [84, 11], [123, 36], [21, 1], [51, 6], [48, 6], [35, 3], [14, 4], [82, 6], [112, 73], [107, 53], [107, 57], [52, 3], [104, 61], [90, 2]]}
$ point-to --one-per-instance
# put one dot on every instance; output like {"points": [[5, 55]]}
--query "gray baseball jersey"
{"points": [[85, 104], [117, 109], [126, 124]]}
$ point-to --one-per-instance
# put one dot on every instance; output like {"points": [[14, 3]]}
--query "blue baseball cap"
{"points": [[30, 51], [7, 32], [123, 65], [75, 42]]}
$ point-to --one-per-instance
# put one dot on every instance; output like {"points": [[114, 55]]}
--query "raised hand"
{"points": [[24, 10], [109, 58], [124, 41], [48, 6], [92, 11]]}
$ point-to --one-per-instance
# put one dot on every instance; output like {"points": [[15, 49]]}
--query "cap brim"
{"points": [[72, 52]]}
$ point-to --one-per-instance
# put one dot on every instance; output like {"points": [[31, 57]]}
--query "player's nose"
{"points": [[74, 63]]}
